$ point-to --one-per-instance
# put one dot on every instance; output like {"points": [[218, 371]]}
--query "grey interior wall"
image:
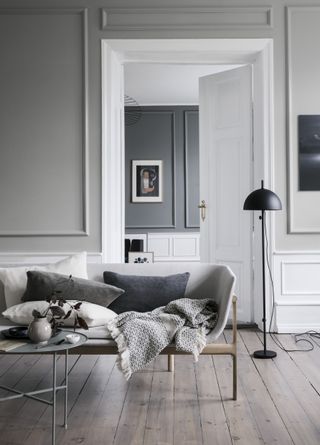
{"points": [[46, 192], [42, 187], [191, 171], [169, 134], [11, 29]]}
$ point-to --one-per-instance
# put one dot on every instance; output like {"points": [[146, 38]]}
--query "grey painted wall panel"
{"points": [[192, 174], [161, 134], [147, 141], [283, 240], [42, 186]]}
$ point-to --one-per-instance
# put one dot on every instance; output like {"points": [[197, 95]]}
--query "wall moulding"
{"points": [[297, 291], [171, 224], [295, 318], [302, 99], [174, 246], [187, 18], [84, 198], [188, 220]]}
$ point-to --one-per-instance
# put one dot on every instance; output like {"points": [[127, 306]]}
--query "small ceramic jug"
{"points": [[39, 330]]}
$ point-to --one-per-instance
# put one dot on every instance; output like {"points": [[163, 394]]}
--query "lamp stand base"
{"points": [[264, 354]]}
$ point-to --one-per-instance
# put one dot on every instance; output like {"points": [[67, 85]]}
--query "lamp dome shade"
{"points": [[262, 199]]}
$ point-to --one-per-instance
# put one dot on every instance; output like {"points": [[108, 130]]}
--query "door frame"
{"points": [[116, 52]]}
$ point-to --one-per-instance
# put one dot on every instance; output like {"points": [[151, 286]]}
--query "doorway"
{"points": [[256, 52]]}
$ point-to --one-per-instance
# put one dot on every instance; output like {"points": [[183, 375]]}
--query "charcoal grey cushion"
{"points": [[40, 285], [145, 293]]}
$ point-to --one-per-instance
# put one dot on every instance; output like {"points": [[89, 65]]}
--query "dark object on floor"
{"points": [[136, 245], [127, 244]]}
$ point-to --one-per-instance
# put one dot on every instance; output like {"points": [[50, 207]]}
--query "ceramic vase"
{"points": [[40, 330]]}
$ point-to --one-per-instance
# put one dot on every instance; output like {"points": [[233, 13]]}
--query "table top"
{"points": [[50, 347]]}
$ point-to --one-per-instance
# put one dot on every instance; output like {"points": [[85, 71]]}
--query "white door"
{"points": [[226, 171]]}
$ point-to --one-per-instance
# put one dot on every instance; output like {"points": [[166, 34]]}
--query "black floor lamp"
{"points": [[263, 199]]}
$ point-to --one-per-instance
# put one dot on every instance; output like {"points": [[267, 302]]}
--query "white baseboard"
{"points": [[297, 328]]}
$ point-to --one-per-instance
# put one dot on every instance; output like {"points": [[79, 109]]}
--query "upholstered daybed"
{"points": [[206, 281]]}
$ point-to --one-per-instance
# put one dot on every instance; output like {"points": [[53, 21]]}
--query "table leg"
{"points": [[66, 366], [54, 395]]}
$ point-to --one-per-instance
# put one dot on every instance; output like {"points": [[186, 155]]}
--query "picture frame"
{"points": [[141, 257], [147, 181]]}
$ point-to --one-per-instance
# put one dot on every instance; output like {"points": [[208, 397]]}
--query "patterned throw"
{"points": [[141, 336]]}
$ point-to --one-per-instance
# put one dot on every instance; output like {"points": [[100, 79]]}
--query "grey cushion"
{"points": [[145, 293], [41, 285]]}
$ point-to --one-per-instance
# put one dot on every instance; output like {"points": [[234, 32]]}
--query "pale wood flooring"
{"points": [[278, 400]]}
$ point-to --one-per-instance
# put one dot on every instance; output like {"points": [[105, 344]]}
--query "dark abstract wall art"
{"points": [[309, 152]]}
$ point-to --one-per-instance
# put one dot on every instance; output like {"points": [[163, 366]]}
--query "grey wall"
{"points": [[170, 134], [38, 136], [43, 150], [48, 199]]}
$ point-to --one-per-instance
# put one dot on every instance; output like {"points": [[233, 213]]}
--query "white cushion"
{"points": [[15, 280], [93, 314]]}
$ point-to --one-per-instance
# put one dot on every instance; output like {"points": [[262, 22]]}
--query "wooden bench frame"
{"points": [[170, 351]]}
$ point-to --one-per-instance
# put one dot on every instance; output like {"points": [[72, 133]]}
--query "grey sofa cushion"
{"points": [[40, 285], [145, 293]]}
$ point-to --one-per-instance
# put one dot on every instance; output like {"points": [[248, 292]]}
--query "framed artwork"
{"points": [[140, 257], [147, 181], [309, 152]]}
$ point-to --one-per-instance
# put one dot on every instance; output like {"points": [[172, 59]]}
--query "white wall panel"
{"points": [[172, 246], [297, 291], [160, 245], [184, 246]]}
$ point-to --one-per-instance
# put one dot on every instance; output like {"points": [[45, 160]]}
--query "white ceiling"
{"points": [[167, 84]]}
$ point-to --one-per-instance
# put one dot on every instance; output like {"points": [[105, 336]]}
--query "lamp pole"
{"points": [[263, 199], [265, 353]]}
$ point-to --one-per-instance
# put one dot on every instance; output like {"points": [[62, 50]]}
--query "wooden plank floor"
{"points": [[278, 400]]}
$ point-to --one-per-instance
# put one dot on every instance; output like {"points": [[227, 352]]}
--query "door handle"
{"points": [[203, 208]]}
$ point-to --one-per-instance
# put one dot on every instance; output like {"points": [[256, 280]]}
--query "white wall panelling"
{"points": [[46, 203], [161, 245], [297, 291], [187, 18], [183, 246]]}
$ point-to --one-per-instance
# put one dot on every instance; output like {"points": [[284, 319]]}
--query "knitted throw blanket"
{"points": [[141, 336]]}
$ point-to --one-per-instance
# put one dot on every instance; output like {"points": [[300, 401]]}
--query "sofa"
{"points": [[205, 281]]}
